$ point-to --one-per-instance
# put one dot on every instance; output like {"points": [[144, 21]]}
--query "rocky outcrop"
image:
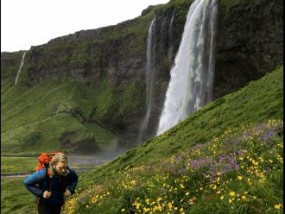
{"points": [[249, 43]]}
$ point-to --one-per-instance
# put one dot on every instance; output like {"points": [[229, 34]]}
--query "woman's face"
{"points": [[61, 168]]}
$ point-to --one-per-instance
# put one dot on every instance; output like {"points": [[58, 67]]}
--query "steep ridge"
{"points": [[226, 157]]}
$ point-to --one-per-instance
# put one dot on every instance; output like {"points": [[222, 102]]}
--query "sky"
{"points": [[26, 23]]}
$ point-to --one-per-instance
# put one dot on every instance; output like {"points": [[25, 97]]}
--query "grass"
{"points": [[237, 172], [36, 119], [15, 198], [225, 158], [16, 165]]}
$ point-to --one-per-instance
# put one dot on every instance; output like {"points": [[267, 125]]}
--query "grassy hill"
{"points": [[225, 158], [46, 117]]}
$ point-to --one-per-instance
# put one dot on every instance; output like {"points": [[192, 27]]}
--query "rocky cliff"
{"points": [[249, 43]]}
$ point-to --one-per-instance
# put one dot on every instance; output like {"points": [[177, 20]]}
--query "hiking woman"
{"points": [[51, 184]]}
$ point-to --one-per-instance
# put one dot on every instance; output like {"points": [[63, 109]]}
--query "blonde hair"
{"points": [[59, 157]]}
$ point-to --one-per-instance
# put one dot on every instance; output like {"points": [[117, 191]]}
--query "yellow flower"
{"points": [[158, 199], [222, 197], [146, 209], [186, 193], [278, 206], [232, 193], [239, 177]]}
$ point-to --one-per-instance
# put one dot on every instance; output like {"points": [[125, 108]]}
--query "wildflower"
{"points": [[186, 193], [145, 209], [277, 206], [137, 205], [232, 193], [191, 200], [254, 162], [222, 197], [158, 199], [240, 177]]}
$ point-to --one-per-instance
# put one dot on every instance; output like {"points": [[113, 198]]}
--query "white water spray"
{"points": [[149, 72], [20, 68], [191, 81]]}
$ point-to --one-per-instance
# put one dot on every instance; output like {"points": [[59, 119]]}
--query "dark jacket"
{"points": [[39, 182]]}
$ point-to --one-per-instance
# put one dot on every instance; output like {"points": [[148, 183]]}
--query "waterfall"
{"points": [[149, 73], [21, 65], [191, 81]]}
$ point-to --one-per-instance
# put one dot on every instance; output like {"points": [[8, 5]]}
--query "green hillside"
{"points": [[46, 117], [225, 158]]}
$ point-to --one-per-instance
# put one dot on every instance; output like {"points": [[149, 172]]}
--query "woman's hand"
{"points": [[67, 192], [46, 194]]}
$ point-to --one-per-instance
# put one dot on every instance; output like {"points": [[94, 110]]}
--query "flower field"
{"points": [[237, 172]]}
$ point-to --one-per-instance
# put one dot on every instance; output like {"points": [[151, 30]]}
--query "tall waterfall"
{"points": [[149, 73], [191, 81], [20, 68]]}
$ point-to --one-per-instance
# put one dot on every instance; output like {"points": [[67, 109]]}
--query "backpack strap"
{"points": [[48, 173]]}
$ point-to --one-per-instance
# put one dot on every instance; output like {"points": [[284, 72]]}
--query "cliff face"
{"points": [[249, 44]]}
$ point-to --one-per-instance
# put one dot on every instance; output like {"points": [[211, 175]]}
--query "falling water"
{"points": [[149, 73], [191, 82], [21, 65]]}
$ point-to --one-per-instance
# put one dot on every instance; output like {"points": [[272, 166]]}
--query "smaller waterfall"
{"points": [[149, 73], [20, 68], [191, 81]]}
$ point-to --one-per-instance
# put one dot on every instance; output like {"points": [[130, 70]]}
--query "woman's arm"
{"points": [[31, 181], [72, 181]]}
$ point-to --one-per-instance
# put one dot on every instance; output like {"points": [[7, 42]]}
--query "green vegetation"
{"points": [[16, 165], [237, 172], [15, 198], [225, 158], [37, 119], [53, 115], [9, 69]]}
